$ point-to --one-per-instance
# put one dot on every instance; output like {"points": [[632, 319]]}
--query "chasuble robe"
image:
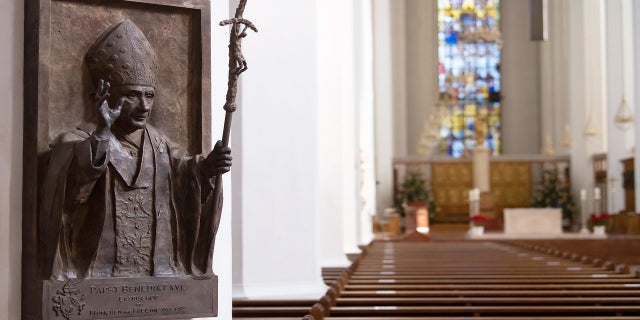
{"points": [[137, 210]]}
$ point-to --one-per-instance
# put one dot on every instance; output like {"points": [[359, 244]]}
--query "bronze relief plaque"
{"points": [[120, 195]]}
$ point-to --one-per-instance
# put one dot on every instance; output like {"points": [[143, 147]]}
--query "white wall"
{"points": [[635, 10], [520, 70], [278, 155], [11, 62], [222, 262], [11, 106], [422, 67], [619, 34]]}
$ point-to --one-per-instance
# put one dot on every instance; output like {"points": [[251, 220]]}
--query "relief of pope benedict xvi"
{"points": [[119, 199]]}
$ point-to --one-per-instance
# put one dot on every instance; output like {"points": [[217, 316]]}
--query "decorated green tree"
{"points": [[555, 193], [414, 190]]}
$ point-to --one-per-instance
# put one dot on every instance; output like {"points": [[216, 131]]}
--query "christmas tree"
{"points": [[555, 193], [414, 189]]}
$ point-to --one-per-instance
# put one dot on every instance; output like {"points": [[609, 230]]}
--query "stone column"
{"points": [[553, 80], [635, 9], [11, 62], [481, 168], [365, 118], [389, 90], [619, 50], [276, 151], [586, 46], [337, 133]]}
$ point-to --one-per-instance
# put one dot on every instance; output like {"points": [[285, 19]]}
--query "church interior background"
{"points": [[344, 99]]}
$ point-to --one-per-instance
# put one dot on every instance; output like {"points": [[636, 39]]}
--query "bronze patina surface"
{"points": [[75, 25], [119, 197], [119, 181]]}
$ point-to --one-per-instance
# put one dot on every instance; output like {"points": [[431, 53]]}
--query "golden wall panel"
{"points": [[451, 182], [510, 184]]}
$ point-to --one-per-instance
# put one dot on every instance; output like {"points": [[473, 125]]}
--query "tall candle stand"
{"points": [[584, 215], [474, 202], [597, 201]]}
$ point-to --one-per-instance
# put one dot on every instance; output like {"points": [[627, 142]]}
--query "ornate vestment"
{"points": [[125, 214]]}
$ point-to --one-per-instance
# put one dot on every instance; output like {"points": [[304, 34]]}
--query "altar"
{"points": [[519, 221], [511, 181], [533, 223]]}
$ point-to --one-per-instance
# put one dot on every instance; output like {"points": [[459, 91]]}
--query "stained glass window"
{"points": [[469, 43]]}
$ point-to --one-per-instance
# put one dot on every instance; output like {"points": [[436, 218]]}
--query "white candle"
{"points": [[583, 194], [477, 191], [471, 194], [596, 193]]}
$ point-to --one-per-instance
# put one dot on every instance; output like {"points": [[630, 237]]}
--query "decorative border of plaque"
{"points": [[52, 100]]}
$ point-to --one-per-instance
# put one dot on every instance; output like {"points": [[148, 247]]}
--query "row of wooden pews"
{"points": [[469, 279], [622, 252]]}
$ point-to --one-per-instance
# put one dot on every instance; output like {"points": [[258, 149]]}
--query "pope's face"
{"points": [[136, 106]]}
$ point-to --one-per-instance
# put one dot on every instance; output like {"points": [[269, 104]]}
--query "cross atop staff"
{"points": [[237, 65], [237, 62]]}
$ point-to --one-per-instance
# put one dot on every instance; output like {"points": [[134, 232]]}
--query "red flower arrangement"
{"points": [[479, 220], [600, 219]]}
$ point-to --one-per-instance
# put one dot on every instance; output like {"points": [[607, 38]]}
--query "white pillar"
{"points": [[278, 155], [559, 75], [587, 85], [399, 77], [365, 113], [635, 12], [389, 93], [619, 57], [337, 144], [383, 99], [520, 81], [11, 62], [546, 83], [481, 168], [421, 23], [553, 78]]}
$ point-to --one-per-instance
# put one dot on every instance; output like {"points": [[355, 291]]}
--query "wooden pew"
{"points": [[331, 274], [459, 280], [618, 251], [308, 317], [492, 318], [486, 311], [452, 281]]}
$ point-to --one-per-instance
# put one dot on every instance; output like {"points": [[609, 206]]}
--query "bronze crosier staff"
{"points": [[237, 65]]}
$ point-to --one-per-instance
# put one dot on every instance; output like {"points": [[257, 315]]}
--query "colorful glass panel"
{"points": [[469, 43]]}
